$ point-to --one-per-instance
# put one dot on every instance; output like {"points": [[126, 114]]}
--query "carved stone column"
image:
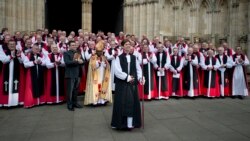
{"points": [[22, 15], [248, 40], [40, 14], [87, 15], [135, 17], [233, 15], [156, 17], [125, 18], [2, 13]]}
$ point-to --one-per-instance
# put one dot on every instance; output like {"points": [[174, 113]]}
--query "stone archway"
{"points": [[64, 15], [87, 15], [102, 15]]}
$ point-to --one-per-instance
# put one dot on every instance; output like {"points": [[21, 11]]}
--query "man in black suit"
{"points": [[73, 61]]}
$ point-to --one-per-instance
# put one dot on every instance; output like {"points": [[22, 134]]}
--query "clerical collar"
{"points": [[72, 50]]}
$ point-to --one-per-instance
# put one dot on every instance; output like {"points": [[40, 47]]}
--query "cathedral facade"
{"points": [[208, 20]]}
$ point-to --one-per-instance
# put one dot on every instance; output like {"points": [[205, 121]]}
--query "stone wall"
{"points": [[210, 20], [22, 15]]}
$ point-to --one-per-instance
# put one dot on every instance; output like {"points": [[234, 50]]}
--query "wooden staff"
{"points": [[142, 102]]}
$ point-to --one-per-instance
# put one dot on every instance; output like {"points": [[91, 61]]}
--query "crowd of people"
{"points": [[32, 67]]}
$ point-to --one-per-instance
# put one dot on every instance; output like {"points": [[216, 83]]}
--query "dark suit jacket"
{"points": [[72, 68]]}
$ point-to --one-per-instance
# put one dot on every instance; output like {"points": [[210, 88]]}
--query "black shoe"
{"points": [[241, 97], [71, 108], [77, 106]]}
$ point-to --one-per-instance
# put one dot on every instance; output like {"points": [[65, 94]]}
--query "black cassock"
{"points": [[126, 99]]}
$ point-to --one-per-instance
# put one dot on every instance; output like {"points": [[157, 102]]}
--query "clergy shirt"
{"points": [[122, 75], [175, 59], [221, 59]]}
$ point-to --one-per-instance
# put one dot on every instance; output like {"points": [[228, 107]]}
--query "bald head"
{"points": [[220, 50], [190, 51], [196, 47], [210, 53], [225, 45]]}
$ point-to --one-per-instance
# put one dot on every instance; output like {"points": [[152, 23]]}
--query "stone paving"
{"points": [[182, 119]]}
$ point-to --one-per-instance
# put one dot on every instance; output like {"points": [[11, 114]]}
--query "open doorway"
{"points": [[107, 16], [63, 14]]}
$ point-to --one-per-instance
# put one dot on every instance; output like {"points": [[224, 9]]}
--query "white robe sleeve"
{"points": [[168, 62], [246, 62], [139, 70], [139, 58], [62, 62], [1, 49], [217, 64], [229, 62], [153, 59], [185, 62], [194, 61], [155, 64], [118, 70], [87, 55], [181, 64], [202, 58], [4, 58], [144, 61], [151, 48], [27, 63], [45, 52], [44, 60], [233, 63], [49, 64], [109, 57], [83, 55], [21, 58]]}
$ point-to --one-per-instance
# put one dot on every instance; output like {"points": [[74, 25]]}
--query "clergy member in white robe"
{"points": [[225, 63], [111, 55], [98, 90], [10, 76], [239, 82], [190, 76]]}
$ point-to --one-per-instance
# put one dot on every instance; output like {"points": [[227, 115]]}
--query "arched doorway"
{"points": [[63, 14], [107, 16]]}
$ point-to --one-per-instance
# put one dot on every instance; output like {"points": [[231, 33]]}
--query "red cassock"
{"points": [[22, 84], [163, 82], [17, 80], [189, 69], [200, 71], [163, 85], [55, 84], [176, 87], [211, 89], [226, 75], [83, 79], [149, 90], [34, 88]]}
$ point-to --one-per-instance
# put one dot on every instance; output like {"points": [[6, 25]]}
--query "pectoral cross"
{"points": [[16, 82], [6, 86], [56, 58]]}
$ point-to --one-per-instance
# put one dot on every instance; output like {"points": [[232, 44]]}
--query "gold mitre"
{"points": [[99, 46]]}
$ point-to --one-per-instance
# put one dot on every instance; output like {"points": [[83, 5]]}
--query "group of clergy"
{"points": [[32, 68]]}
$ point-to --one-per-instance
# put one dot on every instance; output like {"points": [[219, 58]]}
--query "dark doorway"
{"points": [[63, 14], [107, 16]]}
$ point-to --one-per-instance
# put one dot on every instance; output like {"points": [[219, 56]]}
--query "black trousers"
{"points": [[72, 90]]}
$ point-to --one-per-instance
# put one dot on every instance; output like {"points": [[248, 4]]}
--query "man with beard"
{"points": [[98, 89]]}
